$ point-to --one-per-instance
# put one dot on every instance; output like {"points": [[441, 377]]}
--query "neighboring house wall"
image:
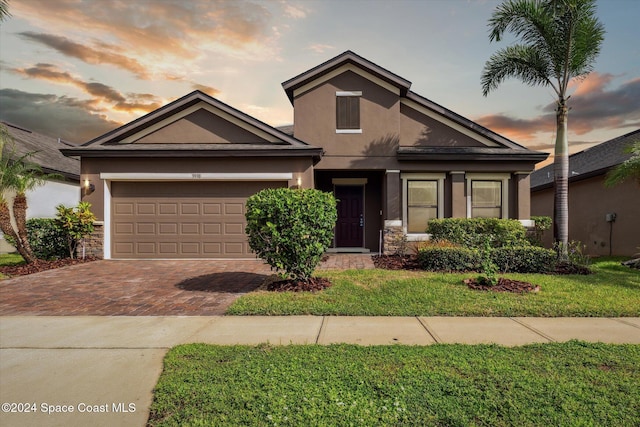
{"points": [[589, 203], [42, 202]]}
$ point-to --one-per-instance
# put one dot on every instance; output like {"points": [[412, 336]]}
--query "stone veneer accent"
{"points": [[394, 239], [94, 243]]}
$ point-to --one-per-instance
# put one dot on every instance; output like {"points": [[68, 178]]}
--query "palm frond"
{"points": [[523, 62]]}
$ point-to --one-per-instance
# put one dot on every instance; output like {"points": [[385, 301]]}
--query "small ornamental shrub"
{"points": [[77, 222], [47, 240], [448, 259], [524, 259], [291, 229], [473, 232]]}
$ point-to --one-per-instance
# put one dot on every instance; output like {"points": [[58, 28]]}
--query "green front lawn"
{"points": [[613, 290], [566, 384], [11, 259]]}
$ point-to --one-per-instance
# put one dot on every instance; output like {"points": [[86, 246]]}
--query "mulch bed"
{"points": [[42, 265], [396, 262], [503, 285], [314, 284]]}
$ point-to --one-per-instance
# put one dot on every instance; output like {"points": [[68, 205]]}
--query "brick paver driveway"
{"points": [[133, 288]]}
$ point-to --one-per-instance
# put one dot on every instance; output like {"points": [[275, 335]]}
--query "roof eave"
{"points": [[346, 57], [528, 157], [98, 152]]}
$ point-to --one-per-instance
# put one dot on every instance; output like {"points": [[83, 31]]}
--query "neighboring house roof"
{"points": [[118, 142], [588, 163], [45, 152]]}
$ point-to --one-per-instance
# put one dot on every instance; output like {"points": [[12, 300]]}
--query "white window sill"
{"points": [[348, 130], [418, 237]]}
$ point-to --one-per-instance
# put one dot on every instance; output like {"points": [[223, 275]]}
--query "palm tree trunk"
{"points": [[7, 229], [561, 182], [20, 215]]}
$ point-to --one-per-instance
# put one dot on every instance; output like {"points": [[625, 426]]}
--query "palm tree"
{"points": [[557, 42], [4, 10], [630, 168], [17, 177]]}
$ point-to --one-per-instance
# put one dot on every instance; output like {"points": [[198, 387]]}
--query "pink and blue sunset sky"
{"points": [[78, 68]]}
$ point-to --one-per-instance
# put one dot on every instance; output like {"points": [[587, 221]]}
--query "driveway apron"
{"points": [[133, 288]]}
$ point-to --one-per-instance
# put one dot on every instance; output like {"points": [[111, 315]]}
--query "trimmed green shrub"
{"points": [[291, 229], [524, 259], [542, 223], [474, 232], [46, 239], [448, 259]]}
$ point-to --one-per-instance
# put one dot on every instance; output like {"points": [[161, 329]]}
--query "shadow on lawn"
{"points": [[231, 282]]}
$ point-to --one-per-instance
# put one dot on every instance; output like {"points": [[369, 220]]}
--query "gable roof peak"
{"points": [[346, 57]]}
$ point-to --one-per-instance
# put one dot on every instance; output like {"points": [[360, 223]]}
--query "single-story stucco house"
{"points": [[173, 183], [65, 189], [606, 220]]}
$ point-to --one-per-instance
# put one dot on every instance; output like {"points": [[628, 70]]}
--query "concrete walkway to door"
{"points": [[144, 287]]}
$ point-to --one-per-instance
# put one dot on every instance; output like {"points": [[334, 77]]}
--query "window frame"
{"points": [[406, 178], [503, 178], [354, 95]]}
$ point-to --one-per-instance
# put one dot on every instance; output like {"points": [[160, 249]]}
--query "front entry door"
{"points": [[350, 226]]}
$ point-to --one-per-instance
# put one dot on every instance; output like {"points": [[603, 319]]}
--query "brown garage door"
{"points": [[181, 219]]}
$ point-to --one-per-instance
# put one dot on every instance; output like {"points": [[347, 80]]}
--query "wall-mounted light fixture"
{"points": [[299, 182], [88, 187]]}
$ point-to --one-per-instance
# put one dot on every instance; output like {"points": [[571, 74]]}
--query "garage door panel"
{"points": [[181, 219], [145, 208], [190, 228], [190, 209], [123, 208], [211, 228], [146, 228], [145, 248], [123, 228], [168, 208], [212, 208], [234, 208]]}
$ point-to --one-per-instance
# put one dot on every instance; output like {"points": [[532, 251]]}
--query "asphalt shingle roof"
{"points": [[590, 162], [45, 149]]}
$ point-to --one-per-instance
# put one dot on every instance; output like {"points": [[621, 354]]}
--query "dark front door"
{"points": [[350, 224]]}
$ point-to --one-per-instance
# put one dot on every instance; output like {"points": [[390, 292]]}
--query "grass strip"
{"points": [[566, 384], [613, 291]]}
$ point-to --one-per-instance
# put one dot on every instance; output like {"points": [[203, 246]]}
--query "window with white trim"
{"points": [[487, 195], [486, 199], [348, 112], [422, 200], [422, 204]]}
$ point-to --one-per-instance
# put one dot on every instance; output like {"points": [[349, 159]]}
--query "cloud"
{"points": [[51, 115], [106, 54], [294, 12], [592, 107], [206, 89], [100, 92], [153, 29], [320, 48]]}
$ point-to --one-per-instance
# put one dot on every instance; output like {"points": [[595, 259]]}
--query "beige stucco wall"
{"points": [[589, 202]]}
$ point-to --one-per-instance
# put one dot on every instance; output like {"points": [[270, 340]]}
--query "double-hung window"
{"points": [[487, 195], [422, 200], [486, 199], [422, 204], [348, 112]]}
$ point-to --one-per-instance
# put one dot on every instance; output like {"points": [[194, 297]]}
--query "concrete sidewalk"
{"points": [[105, 368]]}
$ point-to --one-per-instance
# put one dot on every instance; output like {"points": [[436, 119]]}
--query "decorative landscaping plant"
{"points": [[291, 230]]}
